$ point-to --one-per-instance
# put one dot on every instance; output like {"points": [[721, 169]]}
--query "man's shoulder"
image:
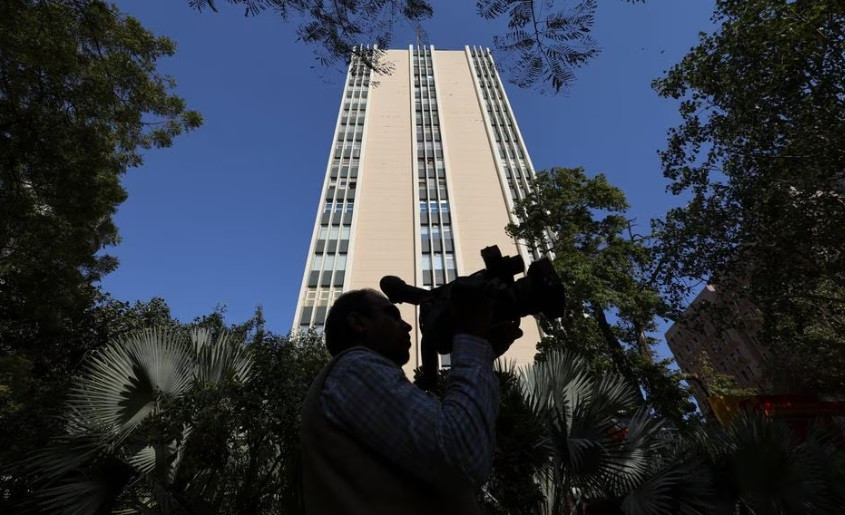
{"points": [[361, 361]]}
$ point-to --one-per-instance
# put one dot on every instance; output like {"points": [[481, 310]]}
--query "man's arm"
{"points": [[444, 443]]}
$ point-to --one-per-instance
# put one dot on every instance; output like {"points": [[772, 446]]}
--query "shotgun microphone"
{"points": [[399, 291]]}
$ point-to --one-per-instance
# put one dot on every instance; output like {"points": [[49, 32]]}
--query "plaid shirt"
{"points": [[442, 442]]}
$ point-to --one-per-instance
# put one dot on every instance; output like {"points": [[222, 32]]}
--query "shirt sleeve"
{"points": [[444, 443]]}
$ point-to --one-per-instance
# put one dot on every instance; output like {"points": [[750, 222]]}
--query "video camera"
{"points": [[540, 291]]}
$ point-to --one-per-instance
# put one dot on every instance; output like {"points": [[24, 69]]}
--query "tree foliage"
{"points": [[80, 97], [546, 40], [340, 29], [760, 156], [612, 302]]}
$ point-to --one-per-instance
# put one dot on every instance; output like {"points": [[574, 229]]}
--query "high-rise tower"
{"points": [[425, 165]]}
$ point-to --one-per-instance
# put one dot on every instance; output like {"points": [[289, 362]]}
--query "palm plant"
{"points": [[603, 450], [762, 465], [127, 424]]}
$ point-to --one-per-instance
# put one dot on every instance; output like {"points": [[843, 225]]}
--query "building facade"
{"points": [[426, 163], [703, 343]]}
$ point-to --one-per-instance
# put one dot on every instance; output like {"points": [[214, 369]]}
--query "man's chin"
{"points": [[402, 358]]}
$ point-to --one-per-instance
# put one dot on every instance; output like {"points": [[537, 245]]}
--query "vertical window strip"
{"points": [[332, 260], [435, 199]]}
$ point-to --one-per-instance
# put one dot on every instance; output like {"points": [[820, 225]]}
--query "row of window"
{"points": [[436, 232], [335, 262], [357, 93], [350, 134], [334, 232], [338, 207], [434, 206], [346, 120], [432, 133], [430, 146], [438, 261], [424, 93], [344, 168]]}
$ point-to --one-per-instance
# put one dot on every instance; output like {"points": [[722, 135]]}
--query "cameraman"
{"points": [[372, 442]]}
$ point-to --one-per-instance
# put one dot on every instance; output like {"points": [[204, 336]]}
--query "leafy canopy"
{"points": [[760, 156], [612, 302], [80, 98]]}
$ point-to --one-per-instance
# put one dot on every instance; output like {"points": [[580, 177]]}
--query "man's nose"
{"points": [[407, 327]]}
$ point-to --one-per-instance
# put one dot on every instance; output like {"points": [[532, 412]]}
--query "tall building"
{"points": [[700, 339], [424, 168]]}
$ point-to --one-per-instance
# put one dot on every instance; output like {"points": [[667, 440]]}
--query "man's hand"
{"points": [[472, 311], [503, 334]]}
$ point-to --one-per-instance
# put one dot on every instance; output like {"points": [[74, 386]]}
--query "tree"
{"points": [[546, 40], [760, 156], [611, 299], [79, 98]]}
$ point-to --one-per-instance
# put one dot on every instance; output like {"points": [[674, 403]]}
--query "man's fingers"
{"points": [[507, 330]]}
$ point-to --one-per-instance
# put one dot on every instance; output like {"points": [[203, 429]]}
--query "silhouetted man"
{"points": [[373, 443]]}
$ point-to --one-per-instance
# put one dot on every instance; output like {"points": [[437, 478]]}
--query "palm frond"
{"points": [[679, 484], [121, 384], [601, 443], [220, 358], [113, 444], [761, 464]]}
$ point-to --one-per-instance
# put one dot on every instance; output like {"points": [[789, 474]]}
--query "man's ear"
{"points": [[358, 323]]}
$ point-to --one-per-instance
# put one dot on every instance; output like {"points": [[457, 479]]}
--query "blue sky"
{"points": [[225, 215]]}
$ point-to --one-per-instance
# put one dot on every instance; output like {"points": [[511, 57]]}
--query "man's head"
{"points": [[367, 318]]}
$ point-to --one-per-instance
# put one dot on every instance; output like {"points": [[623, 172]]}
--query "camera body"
{"points": [[539, 292]]}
